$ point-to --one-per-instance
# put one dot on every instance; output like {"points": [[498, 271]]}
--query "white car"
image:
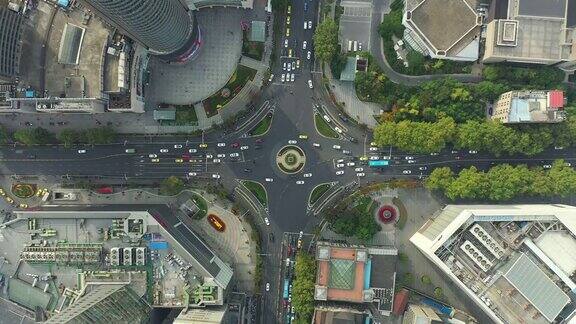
{"points": [[192, 150], [308, 55], [269, 180], [304, 45], [434, 153], [293, 66], [297, 64], [346, 152], [409, 158], [216, 176], [309, 24], [307, 175], [292, 142], [411, 161], [341, 172], [163, 150], [221, 155], [472, 151], [209, 156], [243, 148], [192, 174], [350, 164], [340, 161], [374, 157], [284, 66], [454, 152], [300, 182], [292, 77], [233, 155], [283, 78], [289, 67], [558, 147], [221, 144], [336, 147], [267, 221], [271, 78], [360, 174], [310, 84], [177, 146], [337, 129], [81, 151], [267, 286], [305, 26], [152, 156], [373, 149], [286, 43], [359, 169], [547, 166], [340, 165], [315, 144], [216, 161], [406, 171], [568, 164], [422, 168]]}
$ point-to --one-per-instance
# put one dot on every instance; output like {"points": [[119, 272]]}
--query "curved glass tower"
{"points": [[166, 27]]}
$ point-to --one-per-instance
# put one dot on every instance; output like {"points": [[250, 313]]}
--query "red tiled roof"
{"points": [[400, 302], [556, 99]]}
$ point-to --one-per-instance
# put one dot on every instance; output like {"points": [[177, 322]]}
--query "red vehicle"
{"points": [[186, 157], [105, 190], [235, 144]]}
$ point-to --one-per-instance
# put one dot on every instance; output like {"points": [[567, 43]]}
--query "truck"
{"points": [[378, 163], [286, 285]]}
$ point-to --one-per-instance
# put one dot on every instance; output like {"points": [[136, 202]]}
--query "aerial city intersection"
{"points": [[289, 161]]}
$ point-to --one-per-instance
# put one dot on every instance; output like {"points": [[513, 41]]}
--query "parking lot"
{"points": [[355, 25]]}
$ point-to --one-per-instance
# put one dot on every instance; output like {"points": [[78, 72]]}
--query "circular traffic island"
{"points": [[387, 214], [290, 159], [24, 190]]}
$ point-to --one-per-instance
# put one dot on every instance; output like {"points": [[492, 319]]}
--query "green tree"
{"points": [[415, 62], [391, 25], [68, 137], [439, 179], [171, 186], [562, 178], [37, 135], [4, 135], [326, 40], [505, 182], [338, 64], [470, 184], [303, 287], [100, 135]]}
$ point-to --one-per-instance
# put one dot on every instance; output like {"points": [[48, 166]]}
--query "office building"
{"points": [[10, 42], [516, 262], [529, 106], [165, 27], [532, 31]]}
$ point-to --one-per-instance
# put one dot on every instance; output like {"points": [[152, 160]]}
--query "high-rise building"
{"points": [[105, 304], [10, 44], [166, 27]]}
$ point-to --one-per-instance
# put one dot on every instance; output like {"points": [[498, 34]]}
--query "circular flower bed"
{"points": [[387, 214], [23, 190], [291, 159]]}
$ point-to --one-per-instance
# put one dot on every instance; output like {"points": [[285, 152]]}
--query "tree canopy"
{"points": [[303, 287], [326, 40], [171, 186]]}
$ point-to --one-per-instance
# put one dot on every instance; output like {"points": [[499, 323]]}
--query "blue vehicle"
{"points": [[378, 163], [305, 6], [286, 284], [446, 310]]}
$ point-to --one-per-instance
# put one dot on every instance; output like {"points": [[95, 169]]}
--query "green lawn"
{"points": [[253, 50], [323, 128], [235, 84], [262, 126], [186, 115], [202, 204], [258, 191], [318, 191]]}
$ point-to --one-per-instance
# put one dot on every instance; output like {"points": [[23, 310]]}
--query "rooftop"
{"points": [[444, 24], [537, 8]]}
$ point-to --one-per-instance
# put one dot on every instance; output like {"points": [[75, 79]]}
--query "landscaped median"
{"points": [[263, 126], [318, 192], [236, 82], [257, 190], [323, 128]]}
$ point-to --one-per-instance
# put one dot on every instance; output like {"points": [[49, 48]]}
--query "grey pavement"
{"points": [[345, 94], [209, 72]]}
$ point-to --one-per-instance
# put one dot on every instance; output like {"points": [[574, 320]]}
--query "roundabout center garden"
{"points": [[291, 159]]}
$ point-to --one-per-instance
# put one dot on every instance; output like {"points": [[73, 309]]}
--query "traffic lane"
{"points": [[107, 166]]}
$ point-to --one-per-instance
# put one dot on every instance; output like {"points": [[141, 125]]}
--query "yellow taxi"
{"points": [[364, 158], [288, 20], [23, 206], [9, 200], [303, 136], [203, 145], [179, 160], [2, 193], [287, 32], [289, 9], [155, 160]]}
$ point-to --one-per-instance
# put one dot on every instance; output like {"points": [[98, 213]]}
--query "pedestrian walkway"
{"points": [[345, 92]]}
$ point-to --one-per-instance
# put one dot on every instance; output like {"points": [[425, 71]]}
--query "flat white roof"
{"points": [[559, 247]]}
